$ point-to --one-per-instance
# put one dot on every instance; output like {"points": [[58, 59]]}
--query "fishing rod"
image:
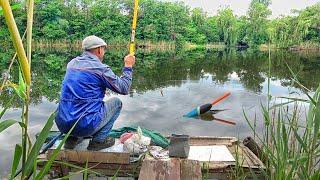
{"points": [[132, 45]]}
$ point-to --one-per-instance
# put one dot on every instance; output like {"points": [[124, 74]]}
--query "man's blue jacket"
{"points": [[82, 93]]}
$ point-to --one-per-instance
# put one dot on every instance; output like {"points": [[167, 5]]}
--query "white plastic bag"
{"points": [[137, 143]]}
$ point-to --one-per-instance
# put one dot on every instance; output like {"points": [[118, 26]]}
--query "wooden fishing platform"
{"points": [[217, 166]]}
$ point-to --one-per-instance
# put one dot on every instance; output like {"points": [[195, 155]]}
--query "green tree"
{"points": [[76, 13], [162, 20], [49, 22], [242, 26], [289, 31], [198, 17], [166, 21], [197, 29], [258, 23], [309, 23], [264, 2], [212, 31], [226, 22], [107, 21], [280, 32]]}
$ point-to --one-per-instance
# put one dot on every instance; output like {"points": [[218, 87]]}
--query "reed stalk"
{"points": [[267, 120], [17, 42], [29, 51], [29, 29], [26, 113]]}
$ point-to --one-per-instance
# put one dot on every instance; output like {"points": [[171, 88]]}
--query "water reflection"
{"points": [[211, 116], [156, 70], [168, 84]]}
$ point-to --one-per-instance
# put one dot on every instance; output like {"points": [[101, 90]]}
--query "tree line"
{"points": [[168, 21]]}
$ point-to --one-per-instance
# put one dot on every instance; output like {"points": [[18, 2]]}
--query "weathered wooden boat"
{"points": [[227, 158]]}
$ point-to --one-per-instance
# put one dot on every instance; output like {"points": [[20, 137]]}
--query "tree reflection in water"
{"points": [[157, 69]]}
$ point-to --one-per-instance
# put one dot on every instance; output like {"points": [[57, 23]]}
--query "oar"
{"points": [[206, 107], [134, 25]]}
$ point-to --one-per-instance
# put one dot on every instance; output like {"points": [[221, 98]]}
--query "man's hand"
{"points": [[129, 61]]}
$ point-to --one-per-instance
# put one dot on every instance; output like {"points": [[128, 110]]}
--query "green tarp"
{"points": [[156, 137]]}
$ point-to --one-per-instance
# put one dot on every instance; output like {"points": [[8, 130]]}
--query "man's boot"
{"points": [[96, 146], [72, 141]]}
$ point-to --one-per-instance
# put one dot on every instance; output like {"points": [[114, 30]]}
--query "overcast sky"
{"points": [[240, 7]]}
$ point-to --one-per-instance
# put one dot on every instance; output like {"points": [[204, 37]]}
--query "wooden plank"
{"points": [[256, 162], [124, 170], [207, 141], [160, 169], [190, 169], [216, 166], [246, 158], [91, 156]]}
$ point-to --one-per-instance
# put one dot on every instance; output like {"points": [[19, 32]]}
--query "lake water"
{"points": [[169, 84]]}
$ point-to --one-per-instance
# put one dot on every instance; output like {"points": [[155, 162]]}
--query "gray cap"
{"points": [[92, 42]]}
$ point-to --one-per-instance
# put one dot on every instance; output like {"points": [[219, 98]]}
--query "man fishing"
{"points": [[82, 93]]}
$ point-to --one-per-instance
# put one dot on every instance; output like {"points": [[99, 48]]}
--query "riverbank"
{"points": [[161, 45], [76, 45], [307, 46]]}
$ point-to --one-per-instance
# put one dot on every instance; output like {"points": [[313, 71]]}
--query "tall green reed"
{"points": [[24, 84], [291, 142]]}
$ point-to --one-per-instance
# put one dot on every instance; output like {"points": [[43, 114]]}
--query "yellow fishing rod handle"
{"points": [[132, 49], [134, 25]]}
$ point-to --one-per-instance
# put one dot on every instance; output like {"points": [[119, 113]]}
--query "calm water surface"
{"points": [[169, 84]]}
